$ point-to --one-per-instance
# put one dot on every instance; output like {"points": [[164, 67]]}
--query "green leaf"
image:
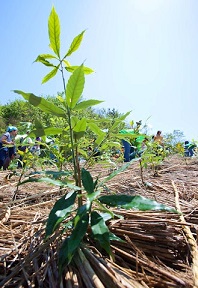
{"points": [[113, 237], [54, 32], [40, 132], [59, 212], [95, 129], [45, 56], [110, 144], [86, 70], [134, 202], [82, 210], [86, 104], [83, 153], [50, 75], [99, 139], [44, 61], [67, 64], [43, 104], [38, 125], [123, 117], [115, 125], [91, 197], [87, 181], [72, 242], [74, 121], [102, 208], [80, 125], [80, 128], [116, 172], [78, 135], [75, 87], [52, 182], [60, 99], [58, 174], [75, 44], [100, 231]]}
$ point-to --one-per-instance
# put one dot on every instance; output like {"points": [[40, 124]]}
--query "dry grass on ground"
{"points": [[160, 248]]}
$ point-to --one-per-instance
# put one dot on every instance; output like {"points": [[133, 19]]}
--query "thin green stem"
{"points": [[74, 157]]}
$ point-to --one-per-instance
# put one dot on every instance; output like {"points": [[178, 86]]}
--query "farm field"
{"points": [[159, 249]]}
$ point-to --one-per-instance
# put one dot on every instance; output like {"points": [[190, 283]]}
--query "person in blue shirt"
{"points": [[189, 149], [7, 147]]}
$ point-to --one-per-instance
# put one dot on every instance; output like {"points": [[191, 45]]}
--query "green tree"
{"points": [[175, 137], [175, 142]]}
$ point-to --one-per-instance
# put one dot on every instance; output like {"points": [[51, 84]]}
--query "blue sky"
{"points": [[143, 52]]}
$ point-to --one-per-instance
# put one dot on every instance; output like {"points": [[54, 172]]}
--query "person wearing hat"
{"points": [[7, 147]]}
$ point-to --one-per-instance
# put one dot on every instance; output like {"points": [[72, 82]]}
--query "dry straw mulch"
{"points": [[160, 248]]}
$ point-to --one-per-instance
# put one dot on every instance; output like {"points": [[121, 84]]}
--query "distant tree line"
{"points": [[18, 112]]}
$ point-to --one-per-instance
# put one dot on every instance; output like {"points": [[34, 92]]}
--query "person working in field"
{"points": [[7, 147], [132, 145], [158, 146], [158, 138], [189, 149]]}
